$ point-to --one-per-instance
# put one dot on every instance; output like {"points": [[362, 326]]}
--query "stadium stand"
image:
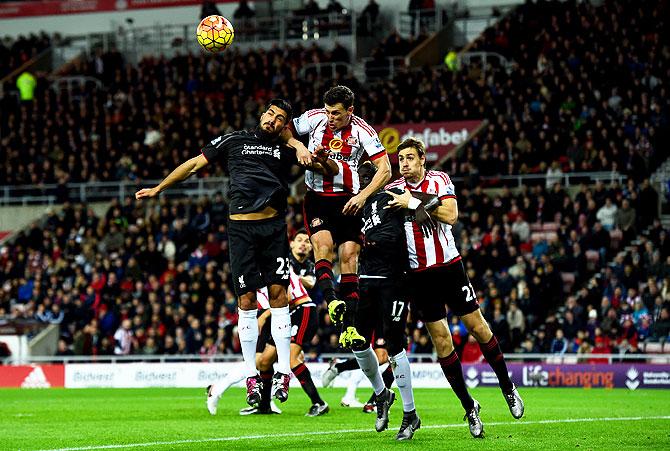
{"points": [[15, 52], [556, 110], [593, 263], [164, 267]]}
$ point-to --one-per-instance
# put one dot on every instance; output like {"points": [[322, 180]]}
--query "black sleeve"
{"points": [[396, 191], [310, 270], [217, 148]]}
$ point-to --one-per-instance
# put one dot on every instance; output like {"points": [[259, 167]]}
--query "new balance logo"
{"points": [[240, 280], [36, 379]]}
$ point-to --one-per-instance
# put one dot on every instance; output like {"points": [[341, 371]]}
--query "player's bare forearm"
{"points": [[180, 173], [263, 318], [308, 281], [447, 212], [328, 167]]}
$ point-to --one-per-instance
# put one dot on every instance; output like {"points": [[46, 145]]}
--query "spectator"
{"points": [[554, 174], [662, 326], [521, 229], [243, 11], [625, 220], [335, 7], [123, 338], [471, 351], [607, 215], [559, 345], [367, 20], [209, 8], [517, 324], [63, 350]]}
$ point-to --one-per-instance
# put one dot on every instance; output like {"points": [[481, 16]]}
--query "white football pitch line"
{"points": [[352, 431]]}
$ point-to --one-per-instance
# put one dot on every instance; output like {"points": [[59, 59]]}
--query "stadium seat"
{"points": [[568, 279], [592, 259]]}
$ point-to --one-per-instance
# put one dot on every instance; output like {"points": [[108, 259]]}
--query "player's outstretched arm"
{"points": [[381, 177], [182, 172]]}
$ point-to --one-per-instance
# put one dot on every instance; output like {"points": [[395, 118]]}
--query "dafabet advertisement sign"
{"points": [[439, 137]]}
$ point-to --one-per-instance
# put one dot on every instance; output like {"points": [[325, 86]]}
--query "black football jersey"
{"points": [[259, 169], [384, 251], [303, 269]]}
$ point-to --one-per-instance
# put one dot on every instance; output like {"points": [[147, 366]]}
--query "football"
{"points": [[215, 33]]}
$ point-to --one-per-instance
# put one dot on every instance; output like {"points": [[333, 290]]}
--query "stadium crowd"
{"points": [[154, 278], [565, 104], [571, 101]]}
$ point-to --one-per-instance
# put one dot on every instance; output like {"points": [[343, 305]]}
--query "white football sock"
{"points": [[247, 330], [367, 360], [403, 377], [354, 379], [281, 334], [234, 376]]}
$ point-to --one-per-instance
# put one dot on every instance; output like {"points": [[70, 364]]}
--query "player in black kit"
{"points": [[259, 164], [383, 264]]}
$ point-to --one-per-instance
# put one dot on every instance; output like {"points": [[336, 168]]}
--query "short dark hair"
{"points": [[367, 164], [299, 232], [413, 142], [339, 94], [284, 105]]}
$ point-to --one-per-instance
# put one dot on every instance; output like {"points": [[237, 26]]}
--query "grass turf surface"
{"points": [[556, 419]]}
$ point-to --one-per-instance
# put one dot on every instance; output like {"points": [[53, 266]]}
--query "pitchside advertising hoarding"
{"points": [[440, 137], [424, 375]]}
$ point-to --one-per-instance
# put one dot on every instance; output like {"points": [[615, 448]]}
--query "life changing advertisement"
{"points": [[424, 375]]}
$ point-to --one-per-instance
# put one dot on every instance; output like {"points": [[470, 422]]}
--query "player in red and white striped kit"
{"points": [[333, 200], [437, 277]]}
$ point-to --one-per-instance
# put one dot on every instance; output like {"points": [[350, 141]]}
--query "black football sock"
{"points": [[347, 365], [451, 367], [266, 391], [325, 279], [349, 294], [495, 358], [303, 375], [388, 377]]}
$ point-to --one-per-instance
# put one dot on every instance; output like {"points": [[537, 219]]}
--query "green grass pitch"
{"points": [[556, 419]]}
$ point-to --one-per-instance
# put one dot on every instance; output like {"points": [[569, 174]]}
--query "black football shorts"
{"points": [[259, 254], [325, 213], [432, 289]]}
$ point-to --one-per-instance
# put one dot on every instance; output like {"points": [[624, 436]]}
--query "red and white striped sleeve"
{"points": [[306, 122], [445, 188], [369, 139]]}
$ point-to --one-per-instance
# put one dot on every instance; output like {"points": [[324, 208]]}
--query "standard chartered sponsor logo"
{"points": [[259, 149]]}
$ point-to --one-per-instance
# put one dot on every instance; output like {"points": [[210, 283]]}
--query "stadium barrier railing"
{"points": [[568, 359], [103, 191]]}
